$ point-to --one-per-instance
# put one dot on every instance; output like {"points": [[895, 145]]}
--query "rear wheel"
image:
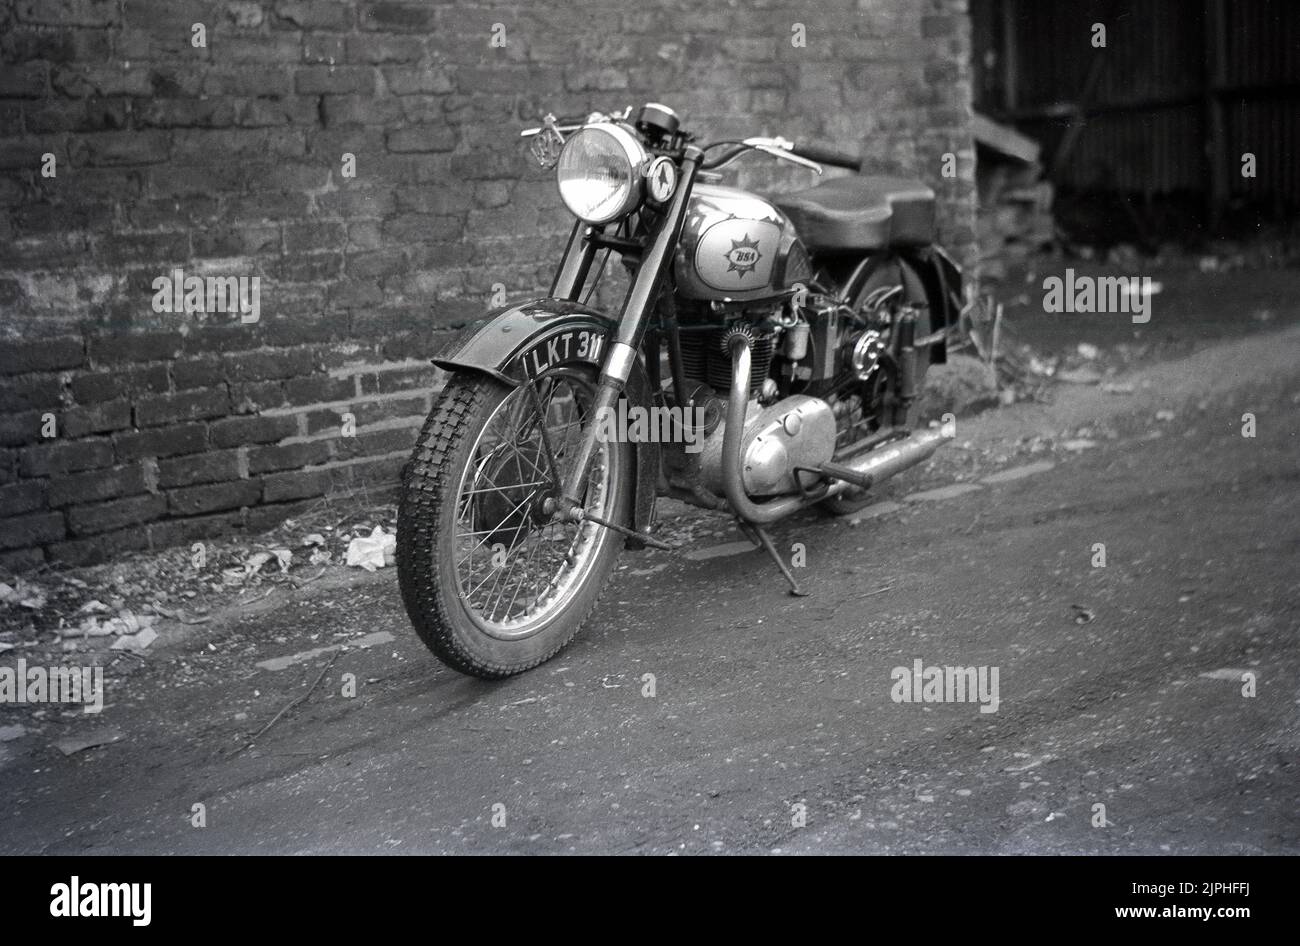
{"points": [[491, 583]]}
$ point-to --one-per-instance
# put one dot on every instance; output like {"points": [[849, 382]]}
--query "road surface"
{"points": [[771, 727]]}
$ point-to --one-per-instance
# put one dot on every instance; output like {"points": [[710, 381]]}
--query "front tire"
{"points": [[491, 584]]}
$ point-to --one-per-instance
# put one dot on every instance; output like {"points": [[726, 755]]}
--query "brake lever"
{"points": [[777, 152]]}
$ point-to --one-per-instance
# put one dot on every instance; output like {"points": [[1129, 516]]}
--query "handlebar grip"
{"points": [[822, 155]]}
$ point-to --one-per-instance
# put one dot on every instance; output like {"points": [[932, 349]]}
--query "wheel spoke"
{"points": [[509, 475]]}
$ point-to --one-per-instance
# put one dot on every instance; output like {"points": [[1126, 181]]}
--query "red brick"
{"points": [[184, 113], [199, 499], [422, 228], [319, 389], [21, 497], [256, 396], [46, 354], [375, 442], [248, 80], [100, 548], [225, 339], [77, 422], [417, 80], [374, 412], [187, 405], [164, 442], [422, 138], [96, 387], [87, 520], [398, 17], [55, 458], [288, 456], [115, 148], [378, 47], [315, 269], [198, 373], [268, 365], [240, 431], [35, 529], [298, 484], [306, 237], [39, 392], [313, 14], [145, 346], [317, 80], [69, 12], [97, 485], [424, 377], [212, 467]]}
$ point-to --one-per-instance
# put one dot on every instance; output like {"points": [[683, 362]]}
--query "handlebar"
{"points": [[810, 156], [823, 155], [805, 153]]}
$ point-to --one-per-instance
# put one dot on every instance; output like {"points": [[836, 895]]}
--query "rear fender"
{"points": [[517, 342], [942, 279], [926, 271]]}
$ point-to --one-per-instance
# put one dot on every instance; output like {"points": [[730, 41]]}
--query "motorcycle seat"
{"points": [[868, 212]]}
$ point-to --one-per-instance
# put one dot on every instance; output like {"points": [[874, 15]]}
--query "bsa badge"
{"points": [[661, 179], [743, 256]]}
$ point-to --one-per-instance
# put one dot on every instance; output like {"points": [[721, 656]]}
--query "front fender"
{"points": [[516, 342], [495, 344]]}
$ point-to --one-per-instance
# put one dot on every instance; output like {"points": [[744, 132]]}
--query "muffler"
{"points": [[864, 470], [886, 460]]}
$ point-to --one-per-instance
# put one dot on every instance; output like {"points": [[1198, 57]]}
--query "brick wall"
{"points": [[228, 159]]}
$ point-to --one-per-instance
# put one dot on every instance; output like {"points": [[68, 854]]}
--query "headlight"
{"points": [[600, 173]]}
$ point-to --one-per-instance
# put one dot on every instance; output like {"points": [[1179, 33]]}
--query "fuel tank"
{"points": [[736, 247]]}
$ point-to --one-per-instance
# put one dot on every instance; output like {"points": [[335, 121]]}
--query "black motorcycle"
{"points": [[767, 357]]}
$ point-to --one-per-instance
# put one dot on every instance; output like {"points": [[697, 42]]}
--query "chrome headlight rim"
{"points": [[634, 153]]}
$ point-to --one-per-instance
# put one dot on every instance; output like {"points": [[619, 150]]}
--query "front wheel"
{"points": [[491, 583]]}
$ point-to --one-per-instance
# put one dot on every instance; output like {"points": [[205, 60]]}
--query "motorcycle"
{"points": [[778, 342]]}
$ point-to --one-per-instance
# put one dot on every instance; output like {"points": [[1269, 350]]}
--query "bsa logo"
{"points": [[743, 256]]}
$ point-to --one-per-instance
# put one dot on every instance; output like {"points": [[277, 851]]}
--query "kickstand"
{"points": [[758, 535]]}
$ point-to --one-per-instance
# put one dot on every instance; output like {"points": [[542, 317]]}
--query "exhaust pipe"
{"points": [[885, 461], [869, 468]]}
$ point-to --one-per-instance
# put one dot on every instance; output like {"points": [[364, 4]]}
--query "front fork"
{"points": [[633, 320]]}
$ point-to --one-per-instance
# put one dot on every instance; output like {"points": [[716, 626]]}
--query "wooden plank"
{"points": [[1005, 139]]}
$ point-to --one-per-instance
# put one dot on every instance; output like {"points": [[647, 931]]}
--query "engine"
{"points": [[706, 357], [782, 434]]}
